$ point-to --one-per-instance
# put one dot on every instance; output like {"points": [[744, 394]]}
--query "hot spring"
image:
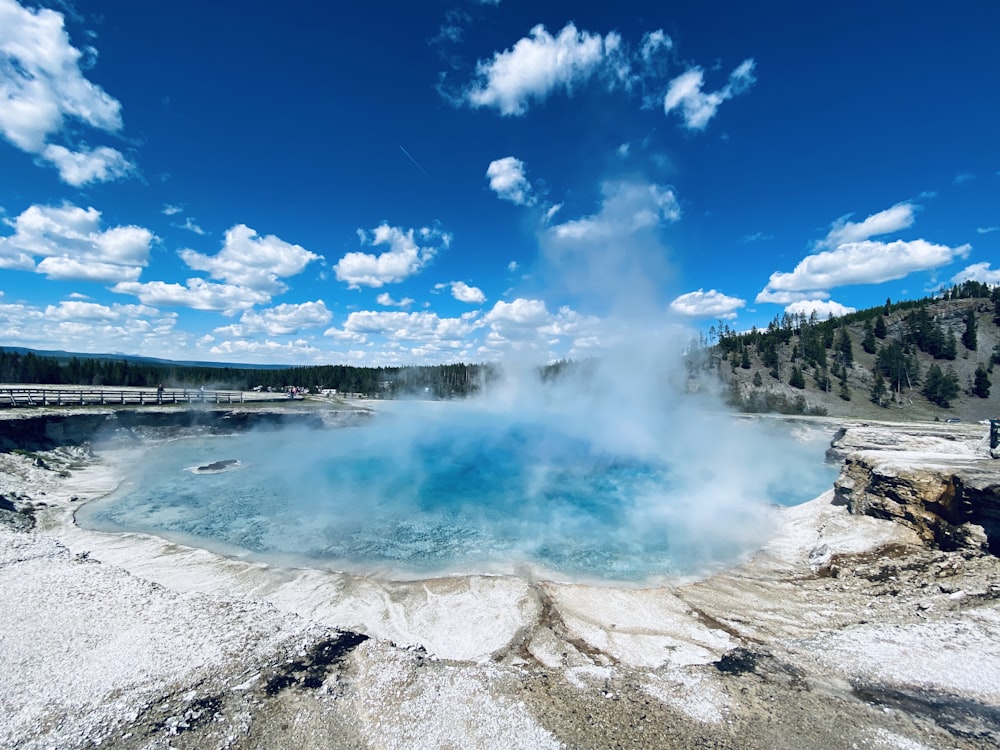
{"points": [[427, 489]]}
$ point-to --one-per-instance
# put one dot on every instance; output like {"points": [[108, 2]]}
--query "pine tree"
{"points": [[880, 330], [845, 392], [757, 380], [878, 389], [981, 384], [844, 347], [745, 360], [969, 336], [868, 342], [796, 379]]}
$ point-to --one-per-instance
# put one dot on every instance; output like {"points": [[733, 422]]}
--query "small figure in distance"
{"points": [[159, 393]]}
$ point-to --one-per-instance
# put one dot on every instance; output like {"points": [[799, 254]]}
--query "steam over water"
{"points": [[431, 488]]}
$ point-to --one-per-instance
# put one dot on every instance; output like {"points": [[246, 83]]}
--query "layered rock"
{"points": [[942, 484]]}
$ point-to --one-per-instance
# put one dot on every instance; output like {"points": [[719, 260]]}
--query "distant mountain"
{"points": [[923, 360], [64, 357]]}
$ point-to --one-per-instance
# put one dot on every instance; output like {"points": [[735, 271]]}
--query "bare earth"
{"points": [[844, 631]]}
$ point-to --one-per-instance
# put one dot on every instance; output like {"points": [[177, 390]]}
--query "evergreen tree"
{"points": [[941, 387], [880, 331], [757, 380], [745, 361], [844, 392], [969, 336], [844, 348], [981, 384], [797, 379], [879, 390], [868, 342]]}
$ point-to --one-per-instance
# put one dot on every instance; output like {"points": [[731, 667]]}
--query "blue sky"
{"points": [[412, 183]]}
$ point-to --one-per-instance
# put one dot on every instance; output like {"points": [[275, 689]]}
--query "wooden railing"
{"points": [[42, 395]]}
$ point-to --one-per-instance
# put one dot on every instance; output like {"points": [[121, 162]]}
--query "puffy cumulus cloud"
{"points": [[627, 207], [786, 298], [463, 292], [74, 324], [385, 299], [867, 262], [92, 311], [980, 272], [900, 216], [823, 308], [196, 294], [281, 320], [248, 260], [538, 64], [292, 352], [413, 326], [74, 269], [74, 246], [508, 181], [78, 168], [407, 254], [41, 85], [685, 95], [710, 304], [527, 323], [350, 337]]}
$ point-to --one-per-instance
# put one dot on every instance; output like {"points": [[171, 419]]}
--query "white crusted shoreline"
{"points": [[132, 641]]}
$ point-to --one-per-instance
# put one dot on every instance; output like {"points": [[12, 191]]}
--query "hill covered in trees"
{"points": [[931, 358]]}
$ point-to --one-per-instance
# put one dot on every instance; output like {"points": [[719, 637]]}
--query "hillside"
{"points": [[925, 352]]}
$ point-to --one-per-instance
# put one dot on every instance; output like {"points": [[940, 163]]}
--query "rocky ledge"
{"points": [[940, 482], [48, 428]]}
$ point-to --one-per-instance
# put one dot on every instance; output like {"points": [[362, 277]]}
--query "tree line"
{"points": [[437, 381]]}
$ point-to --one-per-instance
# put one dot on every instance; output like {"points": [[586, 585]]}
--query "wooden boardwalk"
{"points": [[14, 395]]}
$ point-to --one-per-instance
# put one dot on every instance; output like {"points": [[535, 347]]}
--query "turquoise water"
{"points": [[408, 498]]}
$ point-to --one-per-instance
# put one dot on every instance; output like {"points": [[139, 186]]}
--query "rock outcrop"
{"points": [[938, 482]]}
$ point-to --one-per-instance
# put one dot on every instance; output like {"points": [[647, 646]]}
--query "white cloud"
{"points": [[652, 43], [537, 65], [900, 216], [465, 293], [82, 167], [385, 299], [41, 85], [508, 181], [197, 294], [414, 326], [91, 311], [822, 308], [170, 210], [250, 261], [87, 326], [695, 106], [785, 298], [271, 351], [710, 304], [191, 226], [74, 246], [404, 258], [977, 272], [627, 207], [866, 262], [282, 320], [512, 266], [987, 230]]}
